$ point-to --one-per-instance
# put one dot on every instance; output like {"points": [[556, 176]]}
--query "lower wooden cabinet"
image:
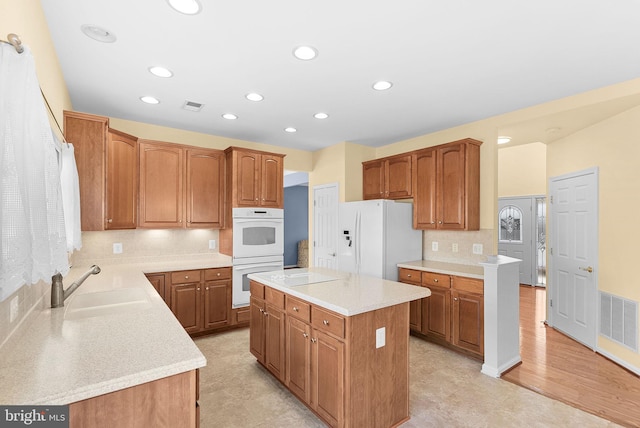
{"points": [[327, 375], [267, 329], [453, 314], [200, 299]]}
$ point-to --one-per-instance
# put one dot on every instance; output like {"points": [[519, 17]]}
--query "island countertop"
{"points": [[57, 360], [342, 292], [458, 269]]}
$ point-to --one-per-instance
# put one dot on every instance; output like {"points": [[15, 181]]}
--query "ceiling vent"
{"points": [[192, 106]]}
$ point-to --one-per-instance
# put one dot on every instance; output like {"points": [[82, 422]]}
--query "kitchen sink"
{"points": [[121, 300]]}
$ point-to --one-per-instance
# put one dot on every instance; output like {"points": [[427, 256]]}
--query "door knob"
{"points": [[332, 254], [588, 269]]}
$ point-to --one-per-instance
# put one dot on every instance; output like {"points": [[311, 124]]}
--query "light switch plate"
{"points": [[477, 248], [454, 248], [380, 337], [117, 248], [434, 246], [212, 244]]}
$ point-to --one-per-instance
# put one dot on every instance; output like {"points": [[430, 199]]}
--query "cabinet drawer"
{"points": [[256, 289], [274, 297], [299, 309], [327, 321], [470, 285], [185, 276], [215, 274], [437, 279], [409, 275]]}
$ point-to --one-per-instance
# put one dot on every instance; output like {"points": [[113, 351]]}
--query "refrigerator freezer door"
{"points": [[360, 240]]}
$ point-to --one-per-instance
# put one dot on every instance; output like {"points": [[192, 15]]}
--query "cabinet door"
{"points": [[413, 277], [327, 362], [274, 342], [298, 358], [204, 188], [247, 178], [217, 304], [424, 195], [185, 305], [468, 321], [158, 280], [451, 187], [373, 179], [121, 181], [272, 189], [256, 328], [161, 187], [436, 314], [398, 177]]}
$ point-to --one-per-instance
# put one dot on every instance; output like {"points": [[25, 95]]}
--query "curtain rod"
{"points": [[14, 41]]}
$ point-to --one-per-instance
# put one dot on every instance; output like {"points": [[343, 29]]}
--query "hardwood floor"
{"points": [[560, 368]]}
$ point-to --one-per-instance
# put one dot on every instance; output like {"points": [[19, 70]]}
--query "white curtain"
{"points": [[31, 214]]}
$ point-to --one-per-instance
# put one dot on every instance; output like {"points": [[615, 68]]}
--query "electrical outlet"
{"points": [[434, 246], [117, 248], [212, 244], [477, 248], [13, 312], [380, 337], [454, 248]]}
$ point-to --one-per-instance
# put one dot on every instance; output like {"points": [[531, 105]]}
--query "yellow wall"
{"points": [[522, 170], [26, 19], [614, 147]]}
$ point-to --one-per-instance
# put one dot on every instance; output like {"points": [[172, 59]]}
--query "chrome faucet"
{"points": [[59, 294]]}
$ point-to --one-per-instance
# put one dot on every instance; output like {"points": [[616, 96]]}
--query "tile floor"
{"points": [[446, 390]]}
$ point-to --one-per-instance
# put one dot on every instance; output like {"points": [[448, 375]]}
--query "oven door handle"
{"points": [[257, 265], [258, 220]]}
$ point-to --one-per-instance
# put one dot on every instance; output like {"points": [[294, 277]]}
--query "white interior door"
{"points": [[516, 232], [573, 255], [325, 225]]}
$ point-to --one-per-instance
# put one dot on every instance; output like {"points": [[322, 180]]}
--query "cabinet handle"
{"points": [[198, 289], [440, 222], [206, 288], [314, 340], [261, 310], [218, 273], [408, 275], [305, 335], [433, 222], [295, 309], [435, 280], [109, 220], [325, 322], [455, 298], [266, 314]]}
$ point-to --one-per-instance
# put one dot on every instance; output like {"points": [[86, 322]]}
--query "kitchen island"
{"points": [[338, 341], [114, 353]]}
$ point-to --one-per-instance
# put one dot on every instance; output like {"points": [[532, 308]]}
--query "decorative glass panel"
{"points": [[541, 241], [510, 224]]}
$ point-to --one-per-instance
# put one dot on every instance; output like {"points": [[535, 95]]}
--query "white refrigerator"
{"points": [[376, 235]]}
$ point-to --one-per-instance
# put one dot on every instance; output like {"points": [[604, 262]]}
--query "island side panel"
{"points": [[377, 391]]}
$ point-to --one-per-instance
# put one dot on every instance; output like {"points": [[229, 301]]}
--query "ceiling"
{"points": [[451, 62]]}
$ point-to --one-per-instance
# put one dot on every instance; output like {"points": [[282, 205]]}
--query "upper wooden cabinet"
{"points": [[180, 186], [387, 178], [447, 186], [107, 165], [255, 178]]}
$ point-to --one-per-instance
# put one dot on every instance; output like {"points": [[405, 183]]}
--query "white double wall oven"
{"points": [[258, 246]]}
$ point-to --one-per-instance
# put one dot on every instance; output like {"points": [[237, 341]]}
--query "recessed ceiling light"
{"points": [[305, 53], [503, 139], [160, 71], [98, 33], [321, 115], [382, 85], [188, 7], [149, 100], [290, 129], [229, 116], [254, 97]]}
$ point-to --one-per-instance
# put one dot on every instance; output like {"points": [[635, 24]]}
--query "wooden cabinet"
{"points": [[166, 402], [201, 299], [267, 328], [387, 178], [328, 377], [160, 282], [447, 183], [180, 187], [255, 178], [107, 162], [453, 314]]}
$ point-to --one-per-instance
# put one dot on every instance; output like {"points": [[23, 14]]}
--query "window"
{"points": [[510, 224]]}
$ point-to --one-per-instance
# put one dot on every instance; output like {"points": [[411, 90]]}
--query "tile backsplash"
{"points": [[448, 240]]}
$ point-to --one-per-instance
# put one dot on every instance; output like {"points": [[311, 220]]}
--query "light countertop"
{"points": [[469, 271], [53, 360], [347, 294]]}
